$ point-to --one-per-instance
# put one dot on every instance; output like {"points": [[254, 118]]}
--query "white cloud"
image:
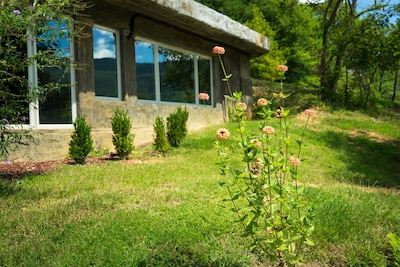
{"points": [[103, 49], [311, 1]]}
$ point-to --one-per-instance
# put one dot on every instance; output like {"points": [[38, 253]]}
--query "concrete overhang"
{"points": [[203, 21]]}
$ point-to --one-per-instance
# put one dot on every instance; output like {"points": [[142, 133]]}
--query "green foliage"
{"points": [[81, 143], [11, 137], [160, 141], [394, 241], [22, 22], [122, 138], [176, 127], [263, 67]]}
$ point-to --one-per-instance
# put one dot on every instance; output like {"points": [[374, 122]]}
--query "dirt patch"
{"points": [[18, 169], [376, 137]]}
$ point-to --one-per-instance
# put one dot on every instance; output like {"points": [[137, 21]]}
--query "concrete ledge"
{"points": [[201, 20]]}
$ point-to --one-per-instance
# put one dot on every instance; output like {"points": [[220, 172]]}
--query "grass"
{"points": [[168, 211]]}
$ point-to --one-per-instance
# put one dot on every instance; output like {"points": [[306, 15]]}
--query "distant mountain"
{"points": [[105, 64]]}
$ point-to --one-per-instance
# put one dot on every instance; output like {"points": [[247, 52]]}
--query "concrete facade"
{"points": [[178, 23]]}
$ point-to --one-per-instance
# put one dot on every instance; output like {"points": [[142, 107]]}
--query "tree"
{"points": [[338, 19], [394, 51], [24, 23], [264, 67]]}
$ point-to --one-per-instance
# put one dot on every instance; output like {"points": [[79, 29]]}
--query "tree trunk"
{"points": [[381, 80], [330, 14], [396, 72], [346, 89]]}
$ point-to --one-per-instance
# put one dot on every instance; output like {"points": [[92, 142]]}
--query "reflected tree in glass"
{"points": [[176, 76]]}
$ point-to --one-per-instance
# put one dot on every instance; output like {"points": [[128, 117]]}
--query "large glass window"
{"points": [[204, 70], [170, 75], [106, 63], [58, 104], [55, 107], [176, 76], [146, 88]]}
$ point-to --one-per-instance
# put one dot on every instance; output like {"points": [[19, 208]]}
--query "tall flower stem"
{"points": [[226, 77]]}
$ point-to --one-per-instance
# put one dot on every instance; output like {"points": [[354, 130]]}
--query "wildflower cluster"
{"points": [[263, 187]]}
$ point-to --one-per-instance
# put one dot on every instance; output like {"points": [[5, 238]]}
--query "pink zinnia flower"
{"points": [[268, 130], [17, 12], [259, 163], [241, 105], [310, 112], [262, 102], [283, 68], [222, 134], [219, 50], [294, 161], [204, 96], [255, 142], [278, 113]]}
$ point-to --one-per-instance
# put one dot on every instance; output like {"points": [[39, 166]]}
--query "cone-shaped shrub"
{"points": [[81, 143], [176, 127], [160, 140], [122, 138]]}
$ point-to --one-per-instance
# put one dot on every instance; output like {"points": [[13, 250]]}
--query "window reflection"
{"points": [[145, 75], [105, 62], [55, 107], [167, 75], [176, 76], [204, 77]]}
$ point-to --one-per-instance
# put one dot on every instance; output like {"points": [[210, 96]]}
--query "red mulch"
{"points": [[19, 169]]}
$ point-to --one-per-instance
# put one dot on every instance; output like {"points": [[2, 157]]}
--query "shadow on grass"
{"points": [[8, 188], [369, 160]]}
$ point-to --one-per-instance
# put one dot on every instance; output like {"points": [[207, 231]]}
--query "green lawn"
{"points": [[168, 211]]}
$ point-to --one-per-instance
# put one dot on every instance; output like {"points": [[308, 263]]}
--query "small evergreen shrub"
{"points": [[176, 127], [81, 143], [122, 138], [160, 141]]}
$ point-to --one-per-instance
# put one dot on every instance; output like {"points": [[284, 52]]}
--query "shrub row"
{"points": [[81, 143], [172, 135]]}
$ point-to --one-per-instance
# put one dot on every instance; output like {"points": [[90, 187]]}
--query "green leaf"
{"points": [[309, 242]]}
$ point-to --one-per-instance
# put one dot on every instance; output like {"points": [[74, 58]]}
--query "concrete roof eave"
{"points": [[192, 16]]}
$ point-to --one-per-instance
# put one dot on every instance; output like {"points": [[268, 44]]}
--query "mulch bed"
{"points": [[19, 169]]}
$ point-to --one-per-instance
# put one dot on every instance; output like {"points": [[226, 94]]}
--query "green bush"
{"points": [[122, 138], [81, 143], [160, 140], [176, 127]]}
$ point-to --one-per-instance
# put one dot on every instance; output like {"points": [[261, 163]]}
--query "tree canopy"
{"points": [[346, 48]]}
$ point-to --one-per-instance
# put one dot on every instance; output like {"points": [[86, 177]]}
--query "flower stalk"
{"points": [[269, 206]]}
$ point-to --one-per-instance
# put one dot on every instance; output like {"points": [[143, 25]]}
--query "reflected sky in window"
{"points": [[54, 37], [144, 52], [104, 44]]}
